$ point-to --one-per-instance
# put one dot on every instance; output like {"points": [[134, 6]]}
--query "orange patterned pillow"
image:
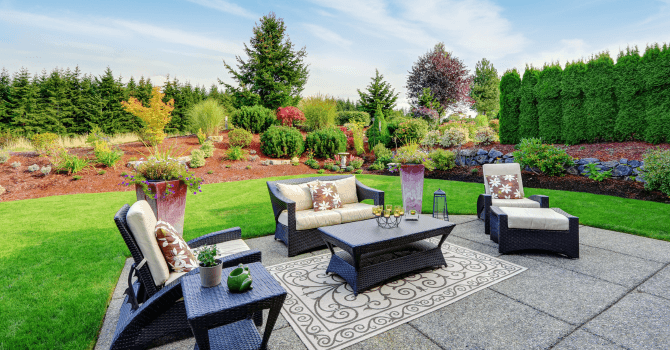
{"points": [[325, 196], [504, 186], [177, 253]]}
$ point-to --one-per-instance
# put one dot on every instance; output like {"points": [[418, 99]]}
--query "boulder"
{"points": [[492, 160], [509, 155], [623, 161], [251, 151], [481, 152], [495, 154], [472, 162], [610, 164], [587, 161], [481, 159], [572, 170], [509, 160], [469, 152], [622, 170], [634, 163]]}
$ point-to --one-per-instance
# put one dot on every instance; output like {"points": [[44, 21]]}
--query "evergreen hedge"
{"points": [[656, 72], [509, 107], [528, 117], [599, 103], [628, 88], [572, 99], [549, 109], [255, 119]]}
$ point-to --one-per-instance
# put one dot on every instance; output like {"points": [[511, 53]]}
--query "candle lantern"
{"points": [[440, 205]]}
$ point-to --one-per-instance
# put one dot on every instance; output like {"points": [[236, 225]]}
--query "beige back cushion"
{"points": [[142, 222], [299, 193], [502, 169], [346, 188]]}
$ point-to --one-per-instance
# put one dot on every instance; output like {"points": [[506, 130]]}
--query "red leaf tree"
{"points": [[287, 115], [445, 75]]}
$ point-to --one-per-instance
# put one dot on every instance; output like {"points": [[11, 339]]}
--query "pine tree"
{"points": [[486, 89], [378, 132], [5, 87], [90, 104], [510, 85], [549, 109], [379, 95], [57, 106], [113, 119], [528, 117], [130, 90], [274, 75], [78, 123], [22, 103], [143, 91]]}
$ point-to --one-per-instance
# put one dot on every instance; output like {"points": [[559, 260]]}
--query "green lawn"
{"points": [[60, 257]]}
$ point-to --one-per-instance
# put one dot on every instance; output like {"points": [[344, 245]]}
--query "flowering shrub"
{"points": [[431, 139], [328, 163], [411, 131], [287, 115], [550, 159], [356, 162], [349, 135], [467, 124], [454, 136], [485, 136], [657, 170], [46, 143]]}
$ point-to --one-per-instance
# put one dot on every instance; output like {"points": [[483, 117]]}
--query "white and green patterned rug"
{"points": [[324, 312]]}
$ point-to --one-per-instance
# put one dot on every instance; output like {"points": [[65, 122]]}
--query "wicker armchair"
{"points": [[299, 241], [149, 312], [485, 201]]}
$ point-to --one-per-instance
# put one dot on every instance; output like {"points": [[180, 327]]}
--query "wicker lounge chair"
{"points": [[485, 201], [151, 313], [299, 241]]}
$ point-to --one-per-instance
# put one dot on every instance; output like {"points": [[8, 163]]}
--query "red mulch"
{"points": [[22, 184]]}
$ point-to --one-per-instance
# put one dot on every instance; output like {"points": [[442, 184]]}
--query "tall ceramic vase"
{"points": [[411, 177], [168, 208]]}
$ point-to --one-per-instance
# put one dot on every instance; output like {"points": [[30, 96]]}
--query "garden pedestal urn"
{"points": [[169, 208], [411, 177]]}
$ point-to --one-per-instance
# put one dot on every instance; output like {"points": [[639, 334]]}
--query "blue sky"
{"points": [[345, 40]]}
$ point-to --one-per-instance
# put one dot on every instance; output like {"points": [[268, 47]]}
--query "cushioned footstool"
{"points": [[549, 229]]}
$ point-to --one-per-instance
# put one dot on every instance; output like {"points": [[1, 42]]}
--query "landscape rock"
{"points": [[252, 151], [509, 160], [184, 159], [587, 161], [2, 190], [215, 138], [481, 159], [481, 152], [469, 152], [634, 163], [610, 164], [572, 170], [509, 155], [33, 168], [623, 161], [622, 170], [134, 164], [254, 158], [495, 153]]}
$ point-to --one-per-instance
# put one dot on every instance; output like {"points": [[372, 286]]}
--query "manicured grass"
{"points": [[60, 257]]}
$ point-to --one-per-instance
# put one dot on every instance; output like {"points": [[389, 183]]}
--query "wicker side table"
{"points": [[221, 319]]}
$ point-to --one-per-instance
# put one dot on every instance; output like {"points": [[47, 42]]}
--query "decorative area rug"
{"points": [[324, 312]]}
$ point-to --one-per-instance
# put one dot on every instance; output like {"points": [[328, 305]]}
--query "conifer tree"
{"points": [[549, 109], [23, 103], [629, 83], [144, 90], [599, 102], [130, 90], [572, 99], [656, 72], [57, 106], [5, 86], [90, 104], [379, 95], [113, 119], [486, 89], [378, 132], [78, 124], [274, 74], [510, 84], [528, 117]]}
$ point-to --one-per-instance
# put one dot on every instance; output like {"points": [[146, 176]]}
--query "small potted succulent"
{"points": [[163, 181], [210, 267]]}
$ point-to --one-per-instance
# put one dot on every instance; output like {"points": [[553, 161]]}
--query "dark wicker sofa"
{"points": [[151, 313], [299, 241]]}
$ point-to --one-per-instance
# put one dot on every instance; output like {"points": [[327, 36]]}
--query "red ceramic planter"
{"points": [[168, 208]]}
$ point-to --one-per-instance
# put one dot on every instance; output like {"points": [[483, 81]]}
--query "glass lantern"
{"points": [[440, 205]]}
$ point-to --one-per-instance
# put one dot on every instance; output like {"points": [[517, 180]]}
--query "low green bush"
{"points": [[485, 136], [105, 155], [326, 142], [349, 168], [312, 163], [207, 149], [69, 163], [344, 117], [240, 137], [281, 141], [394, 124], [550, 159], [431, 139], [382, 154], [411, 131], [657, 170], [320, 171], [235, 153], [442, 159], [256, 119], [356, 162], [376, 166], [454, 136], [197, 158], [45, 143], [481, 121]]}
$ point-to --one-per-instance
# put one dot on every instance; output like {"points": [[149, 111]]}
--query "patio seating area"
{"points": [[615, 296]]}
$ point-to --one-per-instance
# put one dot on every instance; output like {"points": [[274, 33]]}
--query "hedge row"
{"points": [[589, 102]]}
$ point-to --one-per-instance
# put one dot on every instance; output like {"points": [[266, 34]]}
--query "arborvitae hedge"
{"points": [[509, 107], [656, 72], [600, 104], [572, 99], [628, 88], [528, 117], [549, 109]]}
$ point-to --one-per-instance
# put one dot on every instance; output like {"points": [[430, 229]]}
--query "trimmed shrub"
{"points": [[378, 132], [344, 117], [628, 85], [207, 149], [656, 72], [46, 170], [411, 131], [599, 104], [326, 142], [290, 114], [528, 118], [431, 139], [320, 111], [382, 154], [657, 170], [255, 119], [235, 153], [442, 159], [572, 99], [33, 168], [16, 165], [485, 136], [454, 136], [549, 111], [240, 137], [508, 115], [550, 159], [46, 143], [197, 158], [281, 141], [207, 115]]}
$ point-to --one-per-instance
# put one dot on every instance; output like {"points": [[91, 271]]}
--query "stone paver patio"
{"points": [[615, 296]]}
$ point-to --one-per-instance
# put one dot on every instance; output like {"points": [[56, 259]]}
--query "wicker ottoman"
{"points": [[549, 229]]}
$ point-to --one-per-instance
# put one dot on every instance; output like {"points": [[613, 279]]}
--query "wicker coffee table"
{"points": [[372, 254]]}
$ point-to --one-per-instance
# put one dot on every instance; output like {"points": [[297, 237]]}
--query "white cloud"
{"points": [[97, 48], [67, 25], [227, 7], [327, 35]]}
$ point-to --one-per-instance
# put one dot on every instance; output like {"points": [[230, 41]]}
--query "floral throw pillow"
{"points": [[177, 253], [504, 186], [325, 196]]}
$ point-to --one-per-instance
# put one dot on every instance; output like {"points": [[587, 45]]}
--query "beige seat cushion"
{"points": [[536, 219], [224, 249], [309, 219], [142, 222], [355, 212], [299, 193], [502, 169], [516, 203], [346, 188]]}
